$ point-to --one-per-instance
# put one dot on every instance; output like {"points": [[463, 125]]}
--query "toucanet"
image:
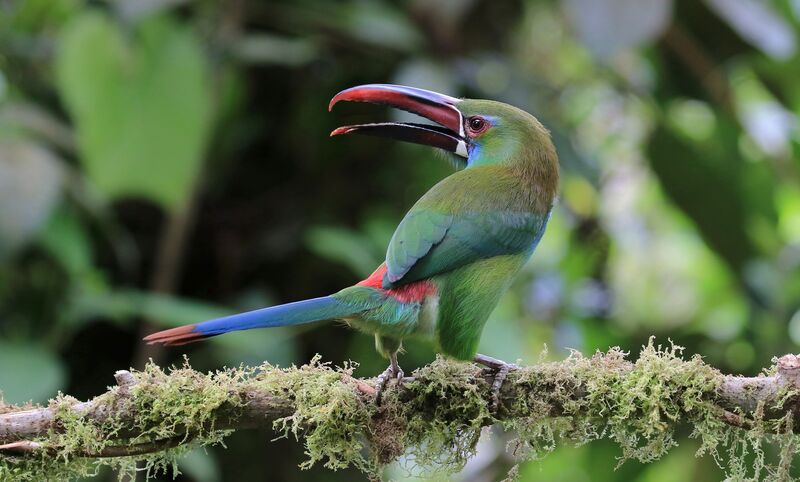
{"points": [[457, 249]]}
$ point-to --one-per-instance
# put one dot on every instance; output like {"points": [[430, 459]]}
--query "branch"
{"points": [[437, 415]]}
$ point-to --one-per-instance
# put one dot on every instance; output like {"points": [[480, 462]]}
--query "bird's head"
{"points": [[480, 132]]}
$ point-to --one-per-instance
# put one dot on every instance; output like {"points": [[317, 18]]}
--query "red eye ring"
{"points": [[477, 124]]}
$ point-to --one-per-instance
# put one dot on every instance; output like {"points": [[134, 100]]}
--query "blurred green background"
{"points": [[167, 161]]}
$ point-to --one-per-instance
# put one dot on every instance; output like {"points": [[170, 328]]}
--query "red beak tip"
{"points": [[336, 98]]}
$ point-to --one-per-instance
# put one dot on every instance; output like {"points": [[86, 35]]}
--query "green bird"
{"points": [[456, 251]]}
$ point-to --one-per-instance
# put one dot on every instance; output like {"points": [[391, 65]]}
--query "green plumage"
{"points": [[472, 232], [459, 247]]}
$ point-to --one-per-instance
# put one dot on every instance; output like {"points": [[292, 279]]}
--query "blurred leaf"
{"points": [[678, 464], [200, 465], [692, 118], [756, 22], [167, 310], [374, 24], [271, 49], [30, 185], [30, 372], [788, 203], [567, 464], [380, 24], [67, 241], [142, 107], [608, 26], [32, 120], [448, 14], [770, 125], [276, 345], [706, 183], [35, 15], [502, 336], [343, 246], [135, 10], [379, 230], [426, 74]]}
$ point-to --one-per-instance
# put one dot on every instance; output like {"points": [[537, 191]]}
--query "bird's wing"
{"points": [[427, 242]]}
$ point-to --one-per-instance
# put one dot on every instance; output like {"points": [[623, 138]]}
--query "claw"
{"points": [[392, 372], [501, 370]]}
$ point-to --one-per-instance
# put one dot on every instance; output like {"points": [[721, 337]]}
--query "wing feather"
{"points": [[427, 242], [413, 239]]}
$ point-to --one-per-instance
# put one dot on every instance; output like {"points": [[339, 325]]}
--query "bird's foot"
{"points": [[392, 372], [500, 370]]}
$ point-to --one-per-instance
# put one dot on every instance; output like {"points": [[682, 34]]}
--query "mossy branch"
{"points": [[437, 415]]}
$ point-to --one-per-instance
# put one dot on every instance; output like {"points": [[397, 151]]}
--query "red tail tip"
{"points": [[175, 336]]}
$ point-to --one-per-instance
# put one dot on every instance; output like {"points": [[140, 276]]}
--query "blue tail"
{"points": [[315, 309]]}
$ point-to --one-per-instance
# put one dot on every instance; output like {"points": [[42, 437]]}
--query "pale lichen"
{"points": [[435, 420], [443, 414], [640, 406], [330, 415]]}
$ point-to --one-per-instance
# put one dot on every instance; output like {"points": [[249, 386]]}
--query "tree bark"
{"points": [[269, 395]]}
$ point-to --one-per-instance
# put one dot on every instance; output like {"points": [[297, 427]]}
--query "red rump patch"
{"points": [[412, 292], [375, 280]]}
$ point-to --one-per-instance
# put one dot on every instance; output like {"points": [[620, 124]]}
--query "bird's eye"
{"points": [[476, 124]]}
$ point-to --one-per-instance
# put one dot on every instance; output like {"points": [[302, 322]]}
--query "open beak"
{"points": [[448, 135]]}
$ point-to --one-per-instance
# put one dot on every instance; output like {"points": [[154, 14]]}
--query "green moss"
{"points": [[182, 404], [640, 405], [435, 422], [330, 415], [444, 414], [179, 403]]}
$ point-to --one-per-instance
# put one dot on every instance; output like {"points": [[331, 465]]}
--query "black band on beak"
{"points": [[431, 105], [427, 135]]}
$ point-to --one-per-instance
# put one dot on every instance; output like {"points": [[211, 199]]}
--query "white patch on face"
{"points": [[461, 149]]}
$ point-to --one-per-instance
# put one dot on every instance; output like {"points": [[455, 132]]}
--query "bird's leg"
{"points": [[500, 369], [393, 371]]}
